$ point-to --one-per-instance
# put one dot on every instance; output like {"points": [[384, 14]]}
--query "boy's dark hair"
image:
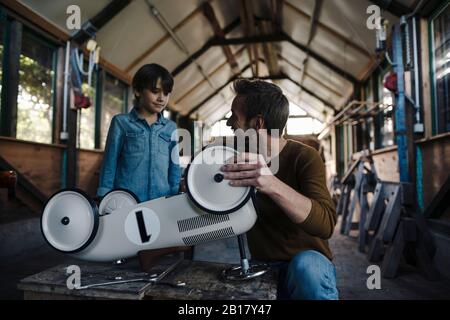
{"points": [[265, 99], [147, 77]]}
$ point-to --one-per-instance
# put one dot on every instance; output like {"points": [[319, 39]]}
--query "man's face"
{"points": [[153, 101], [238, 119]]}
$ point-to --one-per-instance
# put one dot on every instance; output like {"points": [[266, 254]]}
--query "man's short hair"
{"points": [[265, 99], [147, 77]]}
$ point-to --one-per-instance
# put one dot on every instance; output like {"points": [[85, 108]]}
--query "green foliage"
{"points": [[34, 108]]}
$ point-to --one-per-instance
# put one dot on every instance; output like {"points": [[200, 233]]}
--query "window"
{"points": [[114, 99], [87, 118], [441, 69], [2, 30], [304, 125], [299, 123], [369, 123], [386, 115], [35, 94]]}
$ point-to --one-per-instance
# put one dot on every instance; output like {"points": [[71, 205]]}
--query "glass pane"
{"points": [[387, 124], [441, 26], [34, 100], [87, 119], [299, 126], [113, 103]]}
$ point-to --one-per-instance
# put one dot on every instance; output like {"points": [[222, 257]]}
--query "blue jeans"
{"points": [[308, 276]]}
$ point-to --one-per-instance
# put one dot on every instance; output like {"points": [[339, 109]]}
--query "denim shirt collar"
{"points": [[134, 116]]}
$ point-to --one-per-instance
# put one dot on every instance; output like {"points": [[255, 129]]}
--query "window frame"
{"points": [[432, 73], [40, 38]]}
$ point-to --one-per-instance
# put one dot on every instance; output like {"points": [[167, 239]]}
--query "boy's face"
{"points": [[153, 101]]}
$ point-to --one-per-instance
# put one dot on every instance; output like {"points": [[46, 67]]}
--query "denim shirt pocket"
{"points": [[164, 143], [135, 142]]}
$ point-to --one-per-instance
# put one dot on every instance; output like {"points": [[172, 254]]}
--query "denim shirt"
{"points": [[138, 157]]}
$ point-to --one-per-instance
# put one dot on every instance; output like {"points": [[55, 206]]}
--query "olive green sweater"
{"points": [[275, 236]]}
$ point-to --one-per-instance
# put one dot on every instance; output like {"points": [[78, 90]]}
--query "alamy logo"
{"points": [[374, 280], [73, 21], [74, 280], [374, 20]]}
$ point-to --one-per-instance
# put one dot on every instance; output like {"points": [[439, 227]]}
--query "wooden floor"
{"points": [[351, 268]]}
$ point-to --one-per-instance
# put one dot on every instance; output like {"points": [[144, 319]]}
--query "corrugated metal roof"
{"points": [[134, 37]]}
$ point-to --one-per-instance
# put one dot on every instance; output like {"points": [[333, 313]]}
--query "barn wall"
{"points": [[41, 164], [436, 164]]}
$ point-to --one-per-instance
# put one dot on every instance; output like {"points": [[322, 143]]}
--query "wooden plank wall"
{"points": [[89, 164], [41, 164], [436, 164]]}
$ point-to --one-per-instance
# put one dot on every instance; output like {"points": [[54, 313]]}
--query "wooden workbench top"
{"points": [[202, 281]]}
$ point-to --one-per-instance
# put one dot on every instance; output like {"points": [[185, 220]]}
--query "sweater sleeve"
{"points": [[310, 171]]}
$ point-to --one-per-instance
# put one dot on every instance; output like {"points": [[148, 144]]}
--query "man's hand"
{"points": [[249, 169]]}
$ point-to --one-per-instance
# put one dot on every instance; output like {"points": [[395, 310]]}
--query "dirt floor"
{"points": [[351, 270]]}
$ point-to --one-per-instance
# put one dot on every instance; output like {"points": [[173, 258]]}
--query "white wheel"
{"points": [[70, 221], [206, 186], [116, 199]]}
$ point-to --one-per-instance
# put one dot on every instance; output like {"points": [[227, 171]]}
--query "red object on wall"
{"points": [[391, 82], [81, 101]]}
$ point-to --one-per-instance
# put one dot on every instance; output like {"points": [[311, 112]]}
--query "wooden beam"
{"points": [[99, 20], [186, 63], [284, 37], [208, 12], [248, 23], [166, 37], [236, 76], [314, 20], [276, 7], [311, 93], [426, 82], [320, 82], [348, 76], [198, 84], [72, 151], [311, 33], [329, 30], [266, 27], [250, 39], [59, 95], [238, 53]]}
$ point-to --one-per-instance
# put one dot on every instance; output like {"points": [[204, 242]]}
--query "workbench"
{"points": [[202, 281]]}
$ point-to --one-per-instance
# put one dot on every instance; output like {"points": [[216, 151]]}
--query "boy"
{"points": [[138, 153]]}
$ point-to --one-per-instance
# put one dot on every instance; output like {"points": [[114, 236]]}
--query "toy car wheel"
{"points": [[70, 220], [116, 199], [206, 185]]}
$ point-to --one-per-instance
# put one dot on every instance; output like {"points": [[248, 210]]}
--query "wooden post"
{"points": [[71, 169], [59, 95], [11, 79], [100, 86]]}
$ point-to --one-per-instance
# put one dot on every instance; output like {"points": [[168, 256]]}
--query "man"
{"points": [[296, 213]]}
